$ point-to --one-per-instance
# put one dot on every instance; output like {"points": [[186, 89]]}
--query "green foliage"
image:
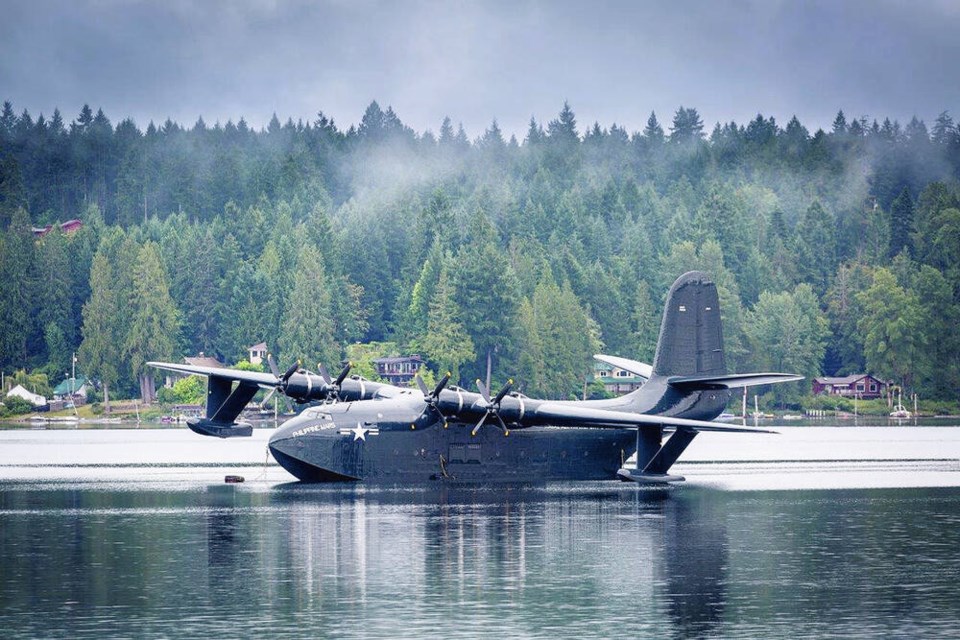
{"points": [[154, 328], [246, 365], [307, 328], [892, 327], [446, 343], [311, 238], [560, 337], [36, 382], [14, 406], [787, 332], [361, 357], [190, 390]]}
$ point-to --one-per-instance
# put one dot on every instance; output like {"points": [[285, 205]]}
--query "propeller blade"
{"points": [[324, 373], [267, 397], [440, 385], [503, 392], [422, 385], [289, 372], [273, 365], [343, 374], [503, 425], [479, 424], [483, 390]]}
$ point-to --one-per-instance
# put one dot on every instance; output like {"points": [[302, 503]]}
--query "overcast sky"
{"points": [[476, 61]]}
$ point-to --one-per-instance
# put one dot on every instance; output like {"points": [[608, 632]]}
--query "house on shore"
{"points": [[72, 389], [616, 380], [258, 353], [860, 385], [23, 393], [398, 370]]}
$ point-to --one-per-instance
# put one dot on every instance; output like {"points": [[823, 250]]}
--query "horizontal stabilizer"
{"points": [[262, 379], [641, 369], [729, 381]]}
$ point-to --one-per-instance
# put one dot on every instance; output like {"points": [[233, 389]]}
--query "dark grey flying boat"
{"points": [[378, 432]]}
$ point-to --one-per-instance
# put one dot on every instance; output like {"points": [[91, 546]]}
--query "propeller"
{"points": [[431, 397], [334, 385], [302, 385], [492, 406]]}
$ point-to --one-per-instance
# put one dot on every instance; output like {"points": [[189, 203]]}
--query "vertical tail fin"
{"points": [[691, 336]]}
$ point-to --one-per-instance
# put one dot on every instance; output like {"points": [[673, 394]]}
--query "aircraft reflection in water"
{"points": [[546, 560], [381, 433]]}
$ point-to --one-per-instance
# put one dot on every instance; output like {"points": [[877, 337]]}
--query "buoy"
{"points": [[233, 479]]}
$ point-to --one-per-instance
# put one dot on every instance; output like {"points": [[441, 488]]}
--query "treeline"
{"points": [[835, 252]]}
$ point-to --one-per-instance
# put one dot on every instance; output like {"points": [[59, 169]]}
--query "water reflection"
{"points": [[567, 560]]}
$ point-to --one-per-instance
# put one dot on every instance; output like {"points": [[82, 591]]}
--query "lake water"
{"points": [[817, 532]]}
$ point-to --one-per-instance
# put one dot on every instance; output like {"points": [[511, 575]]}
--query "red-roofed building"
{"points": [[860, 385], [70, 226]]}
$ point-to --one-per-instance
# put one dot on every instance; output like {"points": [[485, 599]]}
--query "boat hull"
{"points": [[394, 456]]}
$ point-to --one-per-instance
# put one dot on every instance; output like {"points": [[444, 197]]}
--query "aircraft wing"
{"points": [[573, 416], [263, 379], [641, 369], [729, 381]]}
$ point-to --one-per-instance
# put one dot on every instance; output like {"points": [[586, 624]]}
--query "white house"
{"points": [[21, 392], [258, 353]]}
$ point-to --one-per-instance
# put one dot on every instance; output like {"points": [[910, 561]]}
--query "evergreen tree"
{"points": [[839, 124], [816, 246], [446, 343], [891, 325], [18, 293], [154, 331], [103, 331], [307, 330], [653, 132], [788, 332], [646, 324], [486, 292], [687, 126], [901, 223]]}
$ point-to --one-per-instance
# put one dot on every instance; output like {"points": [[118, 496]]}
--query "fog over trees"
{"points": [[834, 251]]}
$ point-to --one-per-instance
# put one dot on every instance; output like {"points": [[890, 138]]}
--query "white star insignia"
{"points": [[359, 432]]}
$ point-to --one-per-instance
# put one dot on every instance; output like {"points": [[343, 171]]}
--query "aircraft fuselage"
{"points": [[393, 440]]}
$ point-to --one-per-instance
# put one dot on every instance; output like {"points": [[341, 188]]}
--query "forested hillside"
{"points": [[834, 252]]}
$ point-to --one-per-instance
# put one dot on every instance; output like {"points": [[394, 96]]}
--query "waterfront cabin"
{"points": [[616, 380], [398, 370], [23, 393], [72, 389], [860, 385]]}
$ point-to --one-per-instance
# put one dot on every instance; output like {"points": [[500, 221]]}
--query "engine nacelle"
{"points": [[304, 387]]}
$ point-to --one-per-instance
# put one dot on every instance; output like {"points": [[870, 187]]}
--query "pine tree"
{"points": [[486, 291], [154, 331], [840, 124], [653, 132], [101, 349], [446, 343], [564, 128], [901, 223], [18, 292], [646, 323], [307, 329], [687, 126]]}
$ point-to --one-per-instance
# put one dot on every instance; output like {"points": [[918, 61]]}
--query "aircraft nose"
{"points": [[305, 453]]}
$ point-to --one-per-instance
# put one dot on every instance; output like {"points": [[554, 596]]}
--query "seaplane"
{"points": [[356, 430]]}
